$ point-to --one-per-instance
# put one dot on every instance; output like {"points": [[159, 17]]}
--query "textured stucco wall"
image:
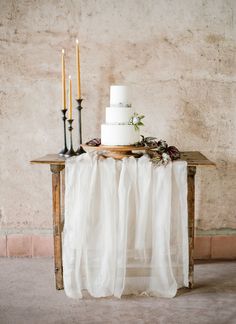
{"points": [[179, 56]]}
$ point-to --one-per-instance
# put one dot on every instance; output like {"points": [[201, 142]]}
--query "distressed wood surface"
{"points": [[114, 148], [116, 152], [193, 158], [57, 223]]}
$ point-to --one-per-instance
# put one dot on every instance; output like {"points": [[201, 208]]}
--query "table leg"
{"points": [[56, 197], [191, 216]]}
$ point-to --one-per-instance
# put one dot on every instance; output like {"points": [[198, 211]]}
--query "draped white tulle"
{"points": [[125, 228]]}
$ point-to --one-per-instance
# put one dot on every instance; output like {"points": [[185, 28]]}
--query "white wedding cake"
{"points": [[117, 130]]}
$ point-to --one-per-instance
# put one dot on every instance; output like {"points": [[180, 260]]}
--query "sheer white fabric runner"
{"points": [[126, 228]]}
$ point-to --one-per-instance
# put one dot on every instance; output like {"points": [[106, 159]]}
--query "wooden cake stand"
{"points": [[116, 152]]}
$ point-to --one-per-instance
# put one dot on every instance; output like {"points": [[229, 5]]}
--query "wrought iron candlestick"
{"points": [[65, 149], [80, 149], [71, 151]]}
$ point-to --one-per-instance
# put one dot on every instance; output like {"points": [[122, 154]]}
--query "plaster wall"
{"points": [[179, 57]]}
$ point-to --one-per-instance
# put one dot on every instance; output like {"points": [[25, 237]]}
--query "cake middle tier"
{"points": [[118, 134], [118, 115]]}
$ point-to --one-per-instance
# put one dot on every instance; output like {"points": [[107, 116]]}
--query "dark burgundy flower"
{"points": [[173, 152], [94, 142]]}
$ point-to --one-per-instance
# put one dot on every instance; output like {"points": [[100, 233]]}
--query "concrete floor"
{"points": [[27, 295]]}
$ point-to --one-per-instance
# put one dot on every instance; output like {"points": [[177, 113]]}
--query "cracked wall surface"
{"points": [[179, 57]]}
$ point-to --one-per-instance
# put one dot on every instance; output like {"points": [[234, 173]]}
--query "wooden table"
{"points": [[57, 165]]}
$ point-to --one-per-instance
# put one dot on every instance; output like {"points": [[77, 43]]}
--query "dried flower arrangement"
{"points": [[159, 151]]}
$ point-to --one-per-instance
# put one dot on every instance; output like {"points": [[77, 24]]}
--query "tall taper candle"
{"points": [[63, 78], [78, 70], [70, 98]]}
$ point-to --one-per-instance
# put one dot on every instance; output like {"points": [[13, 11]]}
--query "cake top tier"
{"points": [[120, 96]]}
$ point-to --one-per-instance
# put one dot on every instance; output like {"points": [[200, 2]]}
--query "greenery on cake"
{"points": [[159, 151], [136, 120]]}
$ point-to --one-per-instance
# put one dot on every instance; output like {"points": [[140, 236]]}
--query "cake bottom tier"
{"points": [[119, 135]]}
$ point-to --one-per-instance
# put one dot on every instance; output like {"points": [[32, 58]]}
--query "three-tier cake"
{"points": [[118, 130]]}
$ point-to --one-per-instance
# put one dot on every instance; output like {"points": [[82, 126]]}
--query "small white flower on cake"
{"points": [[136, 120]]}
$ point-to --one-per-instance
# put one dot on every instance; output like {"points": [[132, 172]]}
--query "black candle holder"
{"points": [[65, 149], [80, 149], [71, 151]]}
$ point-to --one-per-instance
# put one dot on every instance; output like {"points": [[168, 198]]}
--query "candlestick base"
{"points": [[71, 151], [63, 152], [65, 149], [80, 149]]}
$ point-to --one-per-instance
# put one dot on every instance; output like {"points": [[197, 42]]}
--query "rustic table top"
{"points": [[193, 158]]}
